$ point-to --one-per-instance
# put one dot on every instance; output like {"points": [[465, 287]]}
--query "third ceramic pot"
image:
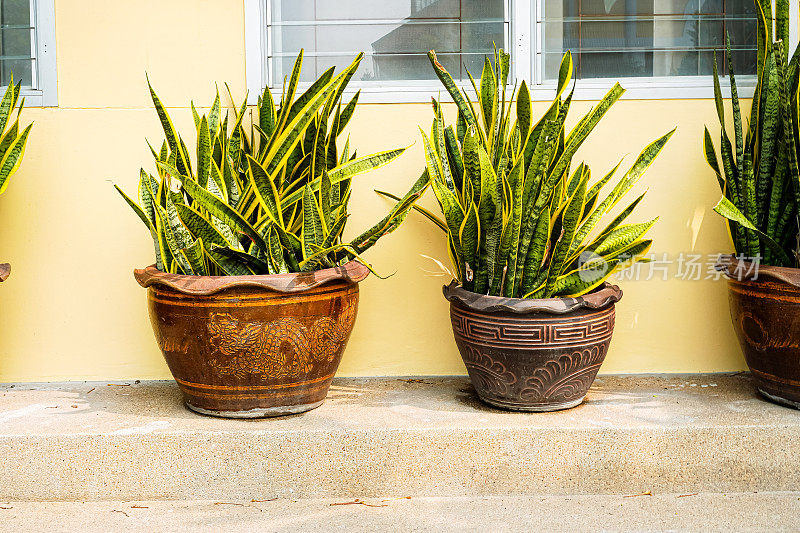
{"points": [[765, 309]]}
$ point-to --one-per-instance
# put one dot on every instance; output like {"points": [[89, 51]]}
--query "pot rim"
{"points": [[606, 296], [734, 269], [293, 282]]}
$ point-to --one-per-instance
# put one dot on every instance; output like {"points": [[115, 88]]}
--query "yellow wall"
{"points": [[71, 309]]}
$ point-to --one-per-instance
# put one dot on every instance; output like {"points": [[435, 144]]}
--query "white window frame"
{"points": [[43, 49], [525, 40]]}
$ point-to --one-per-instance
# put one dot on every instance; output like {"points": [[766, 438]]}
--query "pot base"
{"points": [[541, 408], [265, 412], [779, 400]]}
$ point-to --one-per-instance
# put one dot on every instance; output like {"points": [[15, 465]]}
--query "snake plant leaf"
{"points": [[195, 257], [625, 213], [276, 261], [171, 134], [440, 146], [728, 210], [454, 159], [532, 275], [711, 158], [488, 95], [571, 216], [200, 227], [524, 110], [347, 114], [313, 232], [620, 238], [771, 120], [266, 191], [335, 234], [579, 282], [564, 73], [421, 210], [136, 209], [282, 145], [183, 237], [452, 88], [225, 264], [172, 243], [347, 171], [146, 197], [222, 211], [632, 253], [9, 137], [253, 263], [453, 213], [290, 90], [7, 103], [267, 117], [469, 239], [516, 181], [12, 159], [579, 134], [395, 217], [318, 86]]}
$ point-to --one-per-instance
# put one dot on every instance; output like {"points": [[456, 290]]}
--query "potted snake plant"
{"points": [[12, 143], [531, 312], [254, 291], [760, 184]]}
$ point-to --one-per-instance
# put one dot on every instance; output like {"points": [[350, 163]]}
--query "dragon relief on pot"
{"points": [[277, 349]]}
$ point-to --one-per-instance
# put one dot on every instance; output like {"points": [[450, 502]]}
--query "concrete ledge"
{"points": [[395, 437]]}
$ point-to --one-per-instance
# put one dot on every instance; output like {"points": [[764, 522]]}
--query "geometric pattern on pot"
{"points": [[282, 348], [526, 332], [565, 378]]}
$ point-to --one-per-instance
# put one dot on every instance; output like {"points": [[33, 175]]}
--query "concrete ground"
{"points": [[777, 511]]}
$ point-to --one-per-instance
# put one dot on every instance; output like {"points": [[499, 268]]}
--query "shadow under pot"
{"points": [[765, 310], [253, 346], [532, 355]]}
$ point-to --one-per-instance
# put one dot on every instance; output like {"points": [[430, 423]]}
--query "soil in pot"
{"points": [[253, 346], [765, 310], [532, 355]]}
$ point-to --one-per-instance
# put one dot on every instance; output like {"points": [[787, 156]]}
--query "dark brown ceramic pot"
{"points": [[5, 271], [532, 355], [253, 346], [765, 309]]}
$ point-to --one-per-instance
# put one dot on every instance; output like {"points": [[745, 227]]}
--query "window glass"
{"points": [[395, 35], [648, 38], [16, 37]]}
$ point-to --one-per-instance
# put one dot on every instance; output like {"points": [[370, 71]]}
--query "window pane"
{"points": [[646, 38], [15, 42], [395, 35]]}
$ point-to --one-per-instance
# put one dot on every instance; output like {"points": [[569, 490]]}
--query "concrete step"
{"points": [[659, 512], [396, 438]]}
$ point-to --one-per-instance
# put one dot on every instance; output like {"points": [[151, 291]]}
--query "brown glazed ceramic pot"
{"points": [[253, 346], [532, 355], [766, 317]]}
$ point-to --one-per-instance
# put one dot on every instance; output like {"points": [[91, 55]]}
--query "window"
{"points": [[657, 48], [394, 34], [27, 49], [647, 38]]}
